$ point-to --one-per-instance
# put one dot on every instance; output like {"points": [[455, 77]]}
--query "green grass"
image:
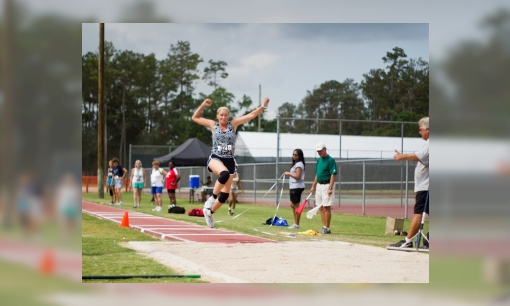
{"points": [[349, 228], [21, 285], [102, 254], [460, 277]]}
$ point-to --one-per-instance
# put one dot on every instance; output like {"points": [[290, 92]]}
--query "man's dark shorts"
{"points": [[295, 195], [421, 196]]}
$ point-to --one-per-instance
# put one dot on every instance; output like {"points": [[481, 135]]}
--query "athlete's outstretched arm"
{"points": [[197, 116], [243, 119]]}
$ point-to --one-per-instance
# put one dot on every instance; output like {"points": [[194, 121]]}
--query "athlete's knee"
{"points": [[222, 198], [224, 176]]}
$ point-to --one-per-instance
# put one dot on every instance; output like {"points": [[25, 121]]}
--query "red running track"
{"points": [[168, 229]]}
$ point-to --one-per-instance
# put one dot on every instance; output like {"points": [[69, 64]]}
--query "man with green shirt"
{"points": [[325, 174]]}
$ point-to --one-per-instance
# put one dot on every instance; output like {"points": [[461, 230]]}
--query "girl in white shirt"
{"points": [[157, 182], [137, 181], [296, 183]]}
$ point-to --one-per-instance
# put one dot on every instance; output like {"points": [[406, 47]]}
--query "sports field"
{"points": [[354, 252]]}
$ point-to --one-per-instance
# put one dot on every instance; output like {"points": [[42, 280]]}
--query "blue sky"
{"points": [[286, 59]]}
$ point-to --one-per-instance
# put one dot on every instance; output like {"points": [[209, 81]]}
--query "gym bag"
{"points": [[176, 210], [196, 212], [277, 221]]}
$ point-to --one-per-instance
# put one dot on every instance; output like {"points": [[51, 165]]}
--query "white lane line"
{"points": [[163, 236], [208, 234], [135, 217], [167, 226], [173, 229]]}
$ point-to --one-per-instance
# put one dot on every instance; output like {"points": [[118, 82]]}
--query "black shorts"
{"points": [[228, 162], [421, 197], [295, 195], [170, 191]]}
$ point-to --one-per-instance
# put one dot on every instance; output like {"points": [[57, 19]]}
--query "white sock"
{"points": [[408, 240]]}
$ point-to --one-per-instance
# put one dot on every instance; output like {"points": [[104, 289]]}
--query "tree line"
{"points": [[151, 101]]}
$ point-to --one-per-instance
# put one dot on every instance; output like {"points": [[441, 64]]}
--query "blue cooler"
{"points": [[194, 181]]}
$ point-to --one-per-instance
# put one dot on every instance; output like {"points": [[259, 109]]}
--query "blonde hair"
{"points": [[424, 122], [138, 161], [155, 163], [222, 108]]}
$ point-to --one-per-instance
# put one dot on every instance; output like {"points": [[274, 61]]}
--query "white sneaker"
{"points": [[209, 203], [208, 217], [294, 226], [155, 208], [159, 208]]}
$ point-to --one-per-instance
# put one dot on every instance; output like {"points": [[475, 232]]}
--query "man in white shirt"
{"points": [[421, 184]]}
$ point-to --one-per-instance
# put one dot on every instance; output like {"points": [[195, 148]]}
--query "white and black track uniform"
{"points": [[297, 186], [223, 147]]}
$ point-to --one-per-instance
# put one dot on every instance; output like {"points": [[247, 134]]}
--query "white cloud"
{"points": [[253, 70]]}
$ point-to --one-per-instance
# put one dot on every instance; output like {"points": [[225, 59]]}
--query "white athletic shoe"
{"points": [[155, 208], [159, 208], [208, 217], [294, 226], [209, 203]]}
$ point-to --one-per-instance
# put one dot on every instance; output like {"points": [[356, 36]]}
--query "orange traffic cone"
{"points": [[125, 220], [47, 265]]}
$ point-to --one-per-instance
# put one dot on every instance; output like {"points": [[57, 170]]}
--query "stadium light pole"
{"points": [[277, 154], [260, 103]]}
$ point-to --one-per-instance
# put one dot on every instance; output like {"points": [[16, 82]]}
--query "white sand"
{"points": [[289, 262]]}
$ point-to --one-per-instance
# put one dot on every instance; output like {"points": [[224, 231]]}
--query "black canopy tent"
{"points": [[192, 152]]}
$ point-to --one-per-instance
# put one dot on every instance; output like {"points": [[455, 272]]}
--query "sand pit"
{"points": [[289, 262]]}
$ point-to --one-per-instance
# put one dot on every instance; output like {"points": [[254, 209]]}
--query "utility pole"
{"points": [[122, 151], [8, 103], [100, 115], [260, 102]]}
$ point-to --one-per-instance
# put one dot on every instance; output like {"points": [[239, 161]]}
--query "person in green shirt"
{"points": [[325, 174]]}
